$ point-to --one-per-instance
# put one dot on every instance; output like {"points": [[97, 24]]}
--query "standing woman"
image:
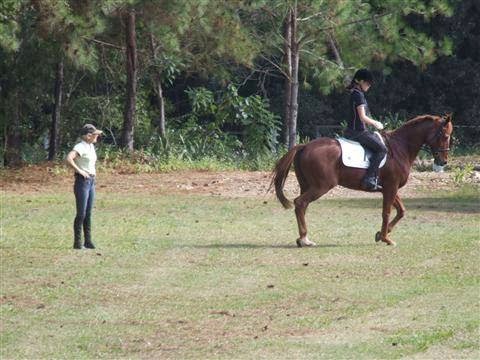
{"points": [[357, 126], [82, 159]]}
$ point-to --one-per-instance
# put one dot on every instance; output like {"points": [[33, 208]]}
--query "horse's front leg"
{"points": [[388, 200], [398, 204]]}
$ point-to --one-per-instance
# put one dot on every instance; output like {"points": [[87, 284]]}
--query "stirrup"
{"points": [[371, 184]]}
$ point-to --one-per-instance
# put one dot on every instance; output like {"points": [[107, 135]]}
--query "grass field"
{"points": [[211, 277]]}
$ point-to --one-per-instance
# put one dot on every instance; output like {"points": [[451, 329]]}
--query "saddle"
{"points": [[355, 155]]}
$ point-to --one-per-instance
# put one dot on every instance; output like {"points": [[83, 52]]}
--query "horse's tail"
{"points": [[280, 173]]}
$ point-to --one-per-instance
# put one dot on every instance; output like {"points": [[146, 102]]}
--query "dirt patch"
{"points": [[53, 178]]}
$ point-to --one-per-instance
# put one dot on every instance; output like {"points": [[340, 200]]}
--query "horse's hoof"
{"points": [[378, 237], [305, 242]]}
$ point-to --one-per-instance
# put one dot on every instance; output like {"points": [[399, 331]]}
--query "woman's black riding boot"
{"points": [[88, 235], [77, 233], [89, 244]]}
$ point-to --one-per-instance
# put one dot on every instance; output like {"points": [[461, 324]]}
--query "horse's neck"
{"points": [[410, 139]]}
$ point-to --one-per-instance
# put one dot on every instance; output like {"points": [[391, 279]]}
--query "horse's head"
{"points": [[439, 141]]}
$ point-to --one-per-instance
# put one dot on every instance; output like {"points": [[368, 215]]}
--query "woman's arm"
{"points": [[69, 160], [368, 120]]}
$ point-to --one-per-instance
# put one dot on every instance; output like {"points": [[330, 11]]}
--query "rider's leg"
{"points": [[372, 142]]}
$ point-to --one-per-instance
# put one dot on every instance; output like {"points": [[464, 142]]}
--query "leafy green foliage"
{"points": [[207, 44], [461, 174], [392, 121], [260, 126], [9, 24]]}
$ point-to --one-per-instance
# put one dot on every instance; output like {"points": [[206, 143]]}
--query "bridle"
{"points": [[439, 133]]}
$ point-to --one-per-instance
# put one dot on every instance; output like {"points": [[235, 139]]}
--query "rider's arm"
{"points": [[366, 119]]}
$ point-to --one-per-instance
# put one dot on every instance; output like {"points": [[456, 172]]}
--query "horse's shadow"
{"points": [[465, 205], [265, 246]]}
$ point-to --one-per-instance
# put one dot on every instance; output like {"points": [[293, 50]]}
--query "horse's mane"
{"points": [[402, 134], [413, 123], [420, 118]]}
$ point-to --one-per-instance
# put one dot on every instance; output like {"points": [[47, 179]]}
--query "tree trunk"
{"points": [[287, 95], [332, 43], [158, 92], [333, 47], [295, 55], [13, 138], [131, 67], [54, 129]]}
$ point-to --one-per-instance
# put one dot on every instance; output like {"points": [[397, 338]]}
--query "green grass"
{"points": [[210, 277]]}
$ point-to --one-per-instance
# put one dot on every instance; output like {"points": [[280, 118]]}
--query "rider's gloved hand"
{"points": [[379, 125]]}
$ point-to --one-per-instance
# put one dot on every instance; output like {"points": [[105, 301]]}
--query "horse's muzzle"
{"points": [[439, 162]]}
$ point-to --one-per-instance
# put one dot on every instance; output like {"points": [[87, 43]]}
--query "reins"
{"points": [[426, 147]]}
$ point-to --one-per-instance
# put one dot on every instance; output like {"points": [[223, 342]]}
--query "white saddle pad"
{"points": [[355, 155]]}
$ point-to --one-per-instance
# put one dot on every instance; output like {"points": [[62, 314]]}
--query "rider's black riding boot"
{"points": [[371, 183]]}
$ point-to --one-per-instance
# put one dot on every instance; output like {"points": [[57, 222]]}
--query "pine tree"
{"points": [[10, 19], [202, 37], [66, 26], [330, 39]]}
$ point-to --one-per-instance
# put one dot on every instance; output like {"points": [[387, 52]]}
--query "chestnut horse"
{"points": [[318, 167]]}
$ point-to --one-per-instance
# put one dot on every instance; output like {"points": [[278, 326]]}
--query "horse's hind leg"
{"points": [[301, 204]]}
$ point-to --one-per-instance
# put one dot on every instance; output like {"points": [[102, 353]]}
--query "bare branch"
{"points": [[309, 17], [276, 66], [372, 18], [332, 27], [73, 87], [104, 43]]}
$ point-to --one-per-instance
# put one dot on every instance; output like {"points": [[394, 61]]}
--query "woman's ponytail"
{"points": [[351, 85]]}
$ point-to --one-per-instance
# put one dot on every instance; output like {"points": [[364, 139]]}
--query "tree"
{"points": [[131, 70], [203, 37], [65, 26], [9, 43], [54, 130], [330, 39], [158, 89], [165, 23]]}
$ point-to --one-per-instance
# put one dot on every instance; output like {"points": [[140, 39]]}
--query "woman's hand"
{"points": [[378, 125], [368, 120], [84, 174], [70, 161]]}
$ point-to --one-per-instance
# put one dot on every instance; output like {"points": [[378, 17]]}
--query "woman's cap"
{"points": [[90, 129]]}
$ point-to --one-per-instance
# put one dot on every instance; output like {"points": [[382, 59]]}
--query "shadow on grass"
{"points": [[263, 246], [447, 204]]}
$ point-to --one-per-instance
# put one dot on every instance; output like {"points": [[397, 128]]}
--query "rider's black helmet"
{"points": [[363, 74]]}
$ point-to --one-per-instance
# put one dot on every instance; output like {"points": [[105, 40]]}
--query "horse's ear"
{"points": [[448, 118]]}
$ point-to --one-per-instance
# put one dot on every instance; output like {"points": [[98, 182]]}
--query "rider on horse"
{"points": [[357, 131]]}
